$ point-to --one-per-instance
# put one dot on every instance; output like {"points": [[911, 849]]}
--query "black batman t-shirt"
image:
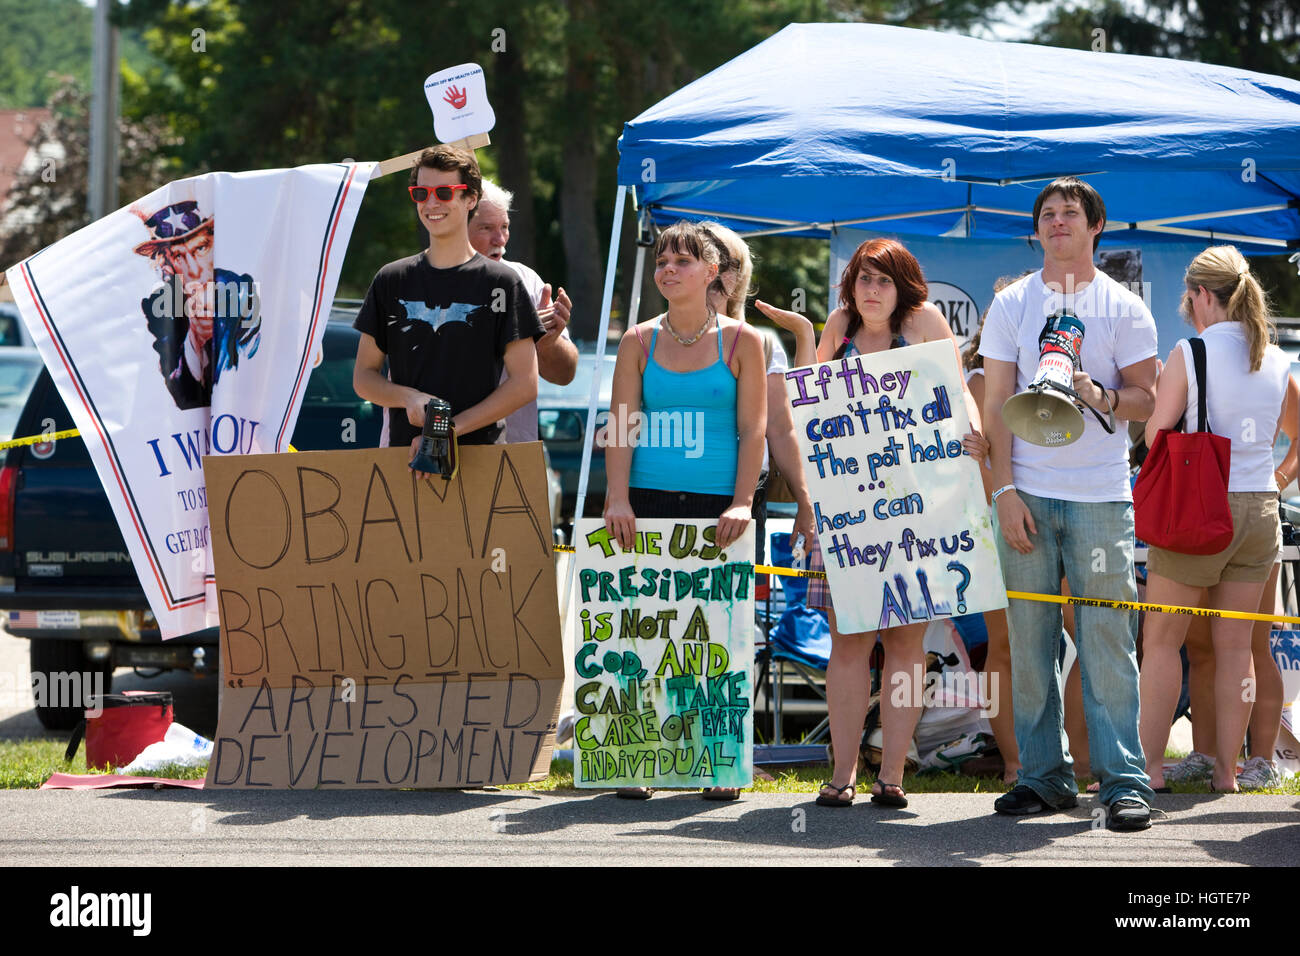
{"points": [[445, 332]]}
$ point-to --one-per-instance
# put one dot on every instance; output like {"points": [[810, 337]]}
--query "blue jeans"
{"points": [[1090, 544]]}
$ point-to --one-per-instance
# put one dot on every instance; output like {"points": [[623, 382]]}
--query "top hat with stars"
{"points": [[171, 224]]}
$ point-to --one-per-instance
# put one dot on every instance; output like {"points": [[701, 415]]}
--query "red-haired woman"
{"points": [[882, 306]]}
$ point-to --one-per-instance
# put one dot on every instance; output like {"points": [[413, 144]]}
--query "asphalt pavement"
{"points": [[493, 827], [505, 828]]}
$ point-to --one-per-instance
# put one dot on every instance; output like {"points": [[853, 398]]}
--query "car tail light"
{"points": [[8, 492]]}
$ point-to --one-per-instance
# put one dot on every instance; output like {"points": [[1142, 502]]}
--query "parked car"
{"points": [[562, 426], [66, 578], [12, 330]]}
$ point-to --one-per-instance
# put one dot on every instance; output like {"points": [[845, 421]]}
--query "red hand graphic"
{"points": [[455, 97]]}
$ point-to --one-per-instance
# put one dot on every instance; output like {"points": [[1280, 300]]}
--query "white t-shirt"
{"points": [[1243, 405], [1119, 331], [522, 424]]}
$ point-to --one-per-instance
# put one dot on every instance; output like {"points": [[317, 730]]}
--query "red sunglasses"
{"points": [[443, 193]]}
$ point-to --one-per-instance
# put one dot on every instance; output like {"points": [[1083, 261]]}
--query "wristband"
{"points": [[1003, 490], [1115, 404]]}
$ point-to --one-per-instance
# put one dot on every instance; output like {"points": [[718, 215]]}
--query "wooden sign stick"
{"points": [[477, 141]]}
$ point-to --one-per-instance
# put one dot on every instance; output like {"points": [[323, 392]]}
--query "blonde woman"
{"points": [[728, 295], [1246, 391]]}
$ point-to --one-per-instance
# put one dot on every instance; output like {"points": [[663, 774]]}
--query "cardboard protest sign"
{"points": [[382, 630], [187, 325], [900, 512], [665, 657]]}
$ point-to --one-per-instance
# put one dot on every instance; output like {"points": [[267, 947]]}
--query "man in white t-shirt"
{"points": [[1067, 511], [557, 356]]}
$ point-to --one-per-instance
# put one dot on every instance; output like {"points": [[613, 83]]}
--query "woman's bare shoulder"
{"points": [[926, 324]]}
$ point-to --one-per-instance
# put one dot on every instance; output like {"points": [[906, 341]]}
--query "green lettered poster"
{"points": [[664, 665]]}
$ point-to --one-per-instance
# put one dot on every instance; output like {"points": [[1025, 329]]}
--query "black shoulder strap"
{"points": [[77, 733], [1198, 361]]}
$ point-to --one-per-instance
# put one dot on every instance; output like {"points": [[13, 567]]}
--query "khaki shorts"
{"points": [[1255, 547]]}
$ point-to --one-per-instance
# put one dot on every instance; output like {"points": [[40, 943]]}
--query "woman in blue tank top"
{"points": [[708, 370], [704, 371]]}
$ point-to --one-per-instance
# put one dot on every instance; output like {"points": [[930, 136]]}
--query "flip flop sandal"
{"points": [[720, 793], [887, 799], [824, 801], [635, 793]]}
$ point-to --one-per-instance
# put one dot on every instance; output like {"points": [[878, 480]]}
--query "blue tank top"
{"points": [[688, 438], [851, 347]]}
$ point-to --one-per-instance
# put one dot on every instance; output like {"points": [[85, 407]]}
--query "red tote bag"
{"points": [[1181, 496]]}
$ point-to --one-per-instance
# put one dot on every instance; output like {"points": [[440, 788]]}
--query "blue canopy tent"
{"points": [[824, 126], [933, 134]]}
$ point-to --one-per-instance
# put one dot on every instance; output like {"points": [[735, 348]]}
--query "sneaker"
{"points": [[1260, 773], [1128, 813], [1195, 766], [1023, 800], [952, 755]]}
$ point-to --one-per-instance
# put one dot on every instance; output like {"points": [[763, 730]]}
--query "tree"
{"points": [[1260, 35], [250, 85], [46, 40], [49, 202]]}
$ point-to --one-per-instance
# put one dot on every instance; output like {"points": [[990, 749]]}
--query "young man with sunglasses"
{"points": [[447, 320]]}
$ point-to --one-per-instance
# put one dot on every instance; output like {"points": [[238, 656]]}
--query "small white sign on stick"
{"points": [[459, 100], [900, 512]]}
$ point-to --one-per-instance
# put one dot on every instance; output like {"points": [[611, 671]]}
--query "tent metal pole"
{"points": [[853, 222], [1250, 211], [740, 217], [593, 397], [1207, 234], [1003, 212], [634, 304]]}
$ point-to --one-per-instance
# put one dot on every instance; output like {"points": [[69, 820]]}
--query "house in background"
{"points": [[18, 129]]}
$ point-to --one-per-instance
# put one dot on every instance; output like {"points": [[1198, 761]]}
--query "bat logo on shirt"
{"points": [[439, 315]]}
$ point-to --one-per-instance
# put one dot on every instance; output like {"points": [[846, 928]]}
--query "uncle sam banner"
{"points": [[185, 325]]}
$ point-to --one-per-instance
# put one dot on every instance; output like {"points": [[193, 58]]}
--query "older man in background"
{"points": [[557, 356]]}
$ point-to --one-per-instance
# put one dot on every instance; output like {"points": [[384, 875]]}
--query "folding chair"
{"points": [[801, 639]]}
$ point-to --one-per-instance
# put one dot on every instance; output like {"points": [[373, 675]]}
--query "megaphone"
{"points": [[1048, 412]]}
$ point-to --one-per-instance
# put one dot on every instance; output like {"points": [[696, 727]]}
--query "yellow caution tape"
{"points": [[1144, 606], [1059, 599], [38, 439]]}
